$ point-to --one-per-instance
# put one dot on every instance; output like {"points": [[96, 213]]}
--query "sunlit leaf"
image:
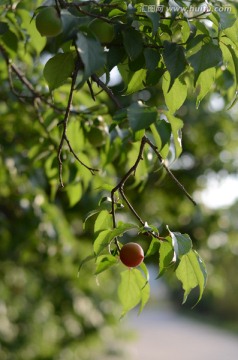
{"points": [[103, 221], [176, 125], [104, 262], [136, 82], [204, 83], [166, 256], [176, 95], [153, 248], [133, 289], [74, 193], [191, 271]]}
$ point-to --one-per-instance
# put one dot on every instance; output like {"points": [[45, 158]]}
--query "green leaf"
{"points": [[204, 83], [132, 290], [232, 32], [176, 125], [208, 56], [106, 236], [103, 221], [191, 271], [185, 31], [153, 248], [152, 58], [74, 193], [155, 20], [145, 271], [182, 243], [104, 262], [227, 19], [174, 59], [102, 241], [75, 135], [136, 81], [3, 27], [166, 256], [161, 131], [175, 95], [141, 116], [91, 53], [230, 57], [133, 80], [133, 43], [58, 69], [10, 41], [85, 260]]}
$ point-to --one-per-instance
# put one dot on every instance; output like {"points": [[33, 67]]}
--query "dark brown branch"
{"points": [[107, 90], [64, 133], [120, 186]]}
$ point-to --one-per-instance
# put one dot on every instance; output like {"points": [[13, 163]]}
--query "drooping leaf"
{"points": [[176, 95], [191, 271], [141, 116], [153, 248], [91, 53], [174, 59], [133, 289], [161, 131], [232, 32], [230, 58], [204, 83], [152, 58], [208, 56], [182, 243], [58, 69], [84, 261], [155, 20], [133, 80], [104, 262], [136, 81], [133, 43], [166, 256], [103, 221], [227, 19], [74, 192], [176, 125]]}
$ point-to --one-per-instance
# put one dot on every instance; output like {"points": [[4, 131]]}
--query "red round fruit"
{"points": [[131, 254]]}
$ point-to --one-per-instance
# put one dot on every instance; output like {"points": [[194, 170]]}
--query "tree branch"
{"points": [[120, 186], [107, 90], [64, 133]]}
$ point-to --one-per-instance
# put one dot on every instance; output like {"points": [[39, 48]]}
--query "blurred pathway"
{"points": [[165, 335]]}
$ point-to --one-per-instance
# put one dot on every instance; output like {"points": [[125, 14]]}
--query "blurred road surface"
{"points": [[165, 335]]}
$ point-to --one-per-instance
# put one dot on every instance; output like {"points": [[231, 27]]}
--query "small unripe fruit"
{"points": [[102, 30], [131, 254], [48, 22]]}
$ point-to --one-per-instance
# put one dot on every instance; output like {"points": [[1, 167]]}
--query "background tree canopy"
{"points": [[92, 156]]}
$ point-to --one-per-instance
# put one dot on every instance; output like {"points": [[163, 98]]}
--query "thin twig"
{"points": [[154, 148], [107, 90], [120, 186], [64, 133]]}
